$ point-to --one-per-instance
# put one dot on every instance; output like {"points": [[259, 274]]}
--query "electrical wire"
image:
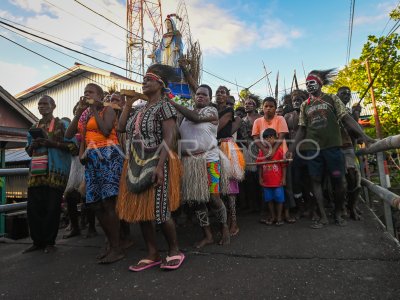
{"points": [[53, 36], [350, 30], [68, 48], [49, 59], [44, 45], [219, 77], [83, 20], [111, 21]]}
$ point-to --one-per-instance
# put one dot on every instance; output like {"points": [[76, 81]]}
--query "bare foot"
{"points": [[324, 221], [234, 230], [113, 256], [126, 244], [91, 233], [204, 242], [354, 215], [72, 233], [103, 253], [225, 236]]}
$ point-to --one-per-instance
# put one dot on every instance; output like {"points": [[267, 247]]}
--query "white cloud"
{"points": [[275, 34], [14, 76], [381, 12], [29, 5], [218, 31]]}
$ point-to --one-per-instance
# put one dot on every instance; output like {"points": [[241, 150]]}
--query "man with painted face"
{"points": [[353, 178], [319, 134]]}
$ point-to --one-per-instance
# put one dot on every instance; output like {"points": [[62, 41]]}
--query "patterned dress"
{"points": [[104, 159], [145, 123]]}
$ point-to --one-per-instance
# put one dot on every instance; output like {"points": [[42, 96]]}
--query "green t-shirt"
{"points": [[321, 118]]}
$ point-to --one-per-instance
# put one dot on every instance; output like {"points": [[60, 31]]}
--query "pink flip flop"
{"points": [[148, 263], [180, 257]]}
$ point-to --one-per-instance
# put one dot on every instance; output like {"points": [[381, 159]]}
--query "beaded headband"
{"points": [[155, 77]]}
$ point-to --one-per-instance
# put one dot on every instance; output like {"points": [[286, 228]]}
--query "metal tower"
{"points": [[144, 19]]}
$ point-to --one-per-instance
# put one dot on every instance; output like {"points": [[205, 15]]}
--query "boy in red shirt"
{"points": [[272, 179]]}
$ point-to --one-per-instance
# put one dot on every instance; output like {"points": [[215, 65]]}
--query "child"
{"points": [[272, 179]]}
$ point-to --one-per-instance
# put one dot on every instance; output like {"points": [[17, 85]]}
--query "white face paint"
{"points": [[312, 86]]}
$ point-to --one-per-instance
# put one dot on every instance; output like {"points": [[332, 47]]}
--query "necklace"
{"points": [[317, 98]]}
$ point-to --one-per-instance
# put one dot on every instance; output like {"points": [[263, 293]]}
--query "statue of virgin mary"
{"points": [[170, 49]]}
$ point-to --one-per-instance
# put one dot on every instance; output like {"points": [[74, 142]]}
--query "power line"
{"points": [[350, 35], [389, 20], [216, 76], [104, 17], [49, 59], [83, 20], [53, 36], [48, 46], [68, 48]]}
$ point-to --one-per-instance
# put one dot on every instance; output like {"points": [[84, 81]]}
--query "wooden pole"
{"points": [[378, 127], [382, 169]]}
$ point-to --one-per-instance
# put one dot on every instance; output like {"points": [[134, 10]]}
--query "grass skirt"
{"points": [[195, 182], [232, 164], [142, 207]]}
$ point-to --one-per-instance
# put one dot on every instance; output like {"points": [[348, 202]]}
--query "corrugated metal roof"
{"points": [[367, 109], [17, 155], [72, 72]]}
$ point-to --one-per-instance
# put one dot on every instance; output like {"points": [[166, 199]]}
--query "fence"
{"points": [[6, 208], [390, 199]]}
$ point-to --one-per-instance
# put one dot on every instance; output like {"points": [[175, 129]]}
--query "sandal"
{"points": [[145, 264], [340, 222], [317, 225], [290, 220], [279, 223], [180, 257]]}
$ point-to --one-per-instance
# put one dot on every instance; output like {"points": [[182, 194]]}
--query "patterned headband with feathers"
{"points": [[326, 76]]}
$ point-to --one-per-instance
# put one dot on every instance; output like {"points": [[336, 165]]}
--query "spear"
{"points": [[295, 80], [284, 84], [268, 162], [268, 81], [276, 86], [304, 71]]}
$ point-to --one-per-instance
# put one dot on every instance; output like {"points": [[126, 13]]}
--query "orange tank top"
{"points": [[94, 137]]}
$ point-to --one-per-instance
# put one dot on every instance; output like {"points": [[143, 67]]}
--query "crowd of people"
{"points": [[146, 163]]}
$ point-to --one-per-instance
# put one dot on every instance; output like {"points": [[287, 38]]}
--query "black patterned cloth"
{"points": [[146, 123]]}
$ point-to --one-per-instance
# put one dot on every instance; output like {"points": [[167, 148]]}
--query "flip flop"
{"points": [[317, 225], [290, 220], [148, 263], [235, 233], [180, 257]]}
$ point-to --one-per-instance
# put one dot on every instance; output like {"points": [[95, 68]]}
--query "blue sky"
{"points": [[235, 36]]}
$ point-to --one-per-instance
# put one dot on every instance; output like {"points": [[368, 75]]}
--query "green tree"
{"points": [[384, 60]]}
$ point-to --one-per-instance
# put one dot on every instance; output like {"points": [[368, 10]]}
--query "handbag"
{"points": [[142, 162], [39, 165]]}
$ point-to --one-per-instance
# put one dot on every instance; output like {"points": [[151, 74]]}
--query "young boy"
{"points": [[272, 179]]}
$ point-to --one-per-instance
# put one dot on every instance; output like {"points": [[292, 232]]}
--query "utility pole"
{"points": [[378, 127], [382, 164]]}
